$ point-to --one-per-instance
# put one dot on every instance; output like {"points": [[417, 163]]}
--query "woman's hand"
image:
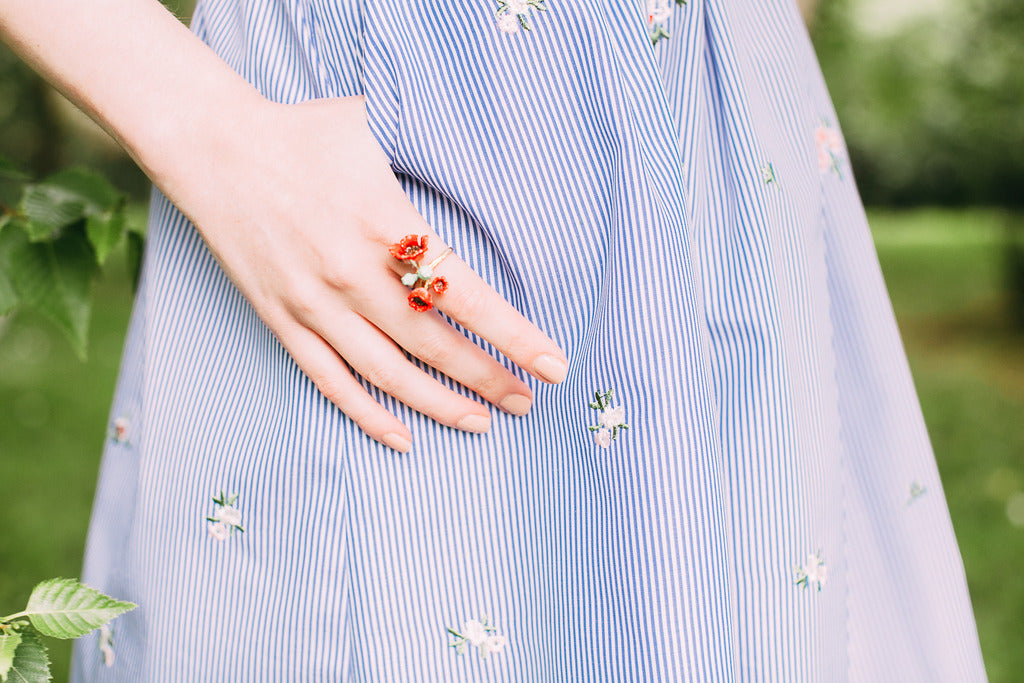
{"points": [[300, 215]]}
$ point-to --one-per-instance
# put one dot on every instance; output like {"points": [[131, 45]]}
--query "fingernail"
{"points": [[475, 423], [551, 368], [517, 404], [397, 442]]}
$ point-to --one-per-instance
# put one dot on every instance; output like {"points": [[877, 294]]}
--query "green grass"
{"points": [[944, 271]]}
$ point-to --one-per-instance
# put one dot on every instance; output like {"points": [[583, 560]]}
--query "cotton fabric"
{"points": [[682, 219]]}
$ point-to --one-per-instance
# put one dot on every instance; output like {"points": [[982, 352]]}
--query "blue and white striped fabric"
{"points": [[681, 218]]}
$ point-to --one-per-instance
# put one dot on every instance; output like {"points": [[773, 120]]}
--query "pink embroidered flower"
{"points": [[830, 148], [121, 428]]}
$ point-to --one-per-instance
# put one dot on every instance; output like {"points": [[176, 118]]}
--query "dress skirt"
{"points": [[734, 483]]}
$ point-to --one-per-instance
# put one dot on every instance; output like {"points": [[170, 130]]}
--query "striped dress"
{"points": [[733, 484]]}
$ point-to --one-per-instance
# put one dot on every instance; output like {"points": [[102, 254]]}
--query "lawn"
{"points": [[945, 274]]}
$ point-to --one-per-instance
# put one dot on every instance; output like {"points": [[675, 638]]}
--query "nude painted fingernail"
{"points": [[516, 404], [551, 368], [398, 442], [474, 423]]}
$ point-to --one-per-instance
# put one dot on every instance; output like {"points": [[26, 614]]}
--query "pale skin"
{"points": [[298, 204]]}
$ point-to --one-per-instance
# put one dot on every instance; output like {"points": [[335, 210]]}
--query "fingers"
{"points": [[431, 339], [374, 356], [322, 365], [476, 306]]}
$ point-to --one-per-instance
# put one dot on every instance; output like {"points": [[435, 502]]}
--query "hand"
{"points": [[300, 214]]}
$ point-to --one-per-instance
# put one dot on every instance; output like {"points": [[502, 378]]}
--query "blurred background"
{"points": [[930, 95]]}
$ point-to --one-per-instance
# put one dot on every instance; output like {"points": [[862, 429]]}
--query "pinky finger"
{"points": [[324, 367]]}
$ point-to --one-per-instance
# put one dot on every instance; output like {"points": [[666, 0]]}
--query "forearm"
{"points": [[137, 71]]}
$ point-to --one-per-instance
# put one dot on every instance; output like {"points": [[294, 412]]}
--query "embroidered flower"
{"points": [[916, 491], [514, 14], [830, 148], [409, 248], [479, 634], [226, 518], [106, 644], [219, 530], [658, 12], [610, 421], [120, 429], [813, 573], [768, 173], [419, 299]]}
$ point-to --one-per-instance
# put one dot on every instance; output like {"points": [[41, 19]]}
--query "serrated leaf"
{"points": [[31, 664], [66, 198], [105, 230], [89, 187], [48, 209], [55, 278], [9, 641], [64, 608]]}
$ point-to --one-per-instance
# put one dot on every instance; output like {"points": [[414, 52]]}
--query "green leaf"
{"points": [[66, 198], [135, 247], [56, 278], [9, 641], [9, 238], [64, 608], [105, 230], [31, 665]]}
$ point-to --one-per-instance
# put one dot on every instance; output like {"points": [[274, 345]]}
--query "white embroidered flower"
{"points": [[518, 6], [121, 427], [480, 634], [508, 23], [658, 11], [474, 632], [106, 646], [229, 515], [492, 644], [613, 417], [610, 421], [219, 530], [814, 573]]}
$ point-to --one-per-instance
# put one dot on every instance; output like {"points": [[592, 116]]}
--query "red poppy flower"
{"points": [[438, 284], [419, 299], [409, 248]]}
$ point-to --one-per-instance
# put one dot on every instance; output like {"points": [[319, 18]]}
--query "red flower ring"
{"points": [[422, 280], [409, 248], [438, 284], [419, 299]]}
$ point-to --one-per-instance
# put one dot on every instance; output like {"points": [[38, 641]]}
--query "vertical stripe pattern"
{"points": [[662, 212]]}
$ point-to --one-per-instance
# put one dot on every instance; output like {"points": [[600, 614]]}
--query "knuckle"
{"points": [[434, 349], [338, 276], [384, 378], [467, 304], [491, 384], [332, 387]]}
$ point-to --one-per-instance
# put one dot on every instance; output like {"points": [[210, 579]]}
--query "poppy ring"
{"points": [[424, 283]]}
